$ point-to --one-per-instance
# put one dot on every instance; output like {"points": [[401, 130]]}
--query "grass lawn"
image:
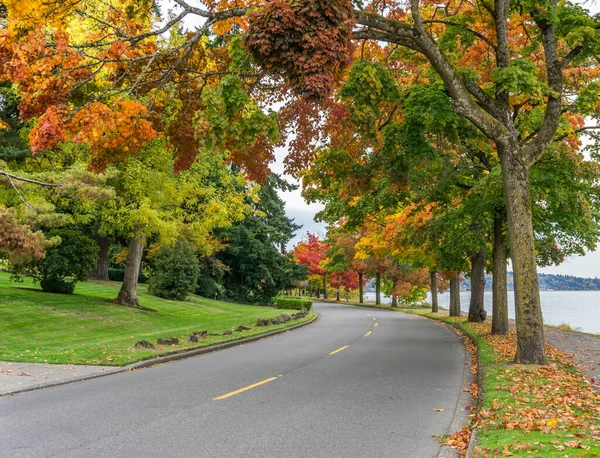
{"points": [[86, 329], [549, 411]]}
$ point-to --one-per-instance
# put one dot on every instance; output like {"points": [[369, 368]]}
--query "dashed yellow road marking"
{"points": [[376, 324], [368, 314], [338, 350], [249, 387], [374, 319], [368, 334]]}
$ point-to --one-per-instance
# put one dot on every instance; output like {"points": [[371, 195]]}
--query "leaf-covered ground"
{"points": [[85, 328], [550, 411]]}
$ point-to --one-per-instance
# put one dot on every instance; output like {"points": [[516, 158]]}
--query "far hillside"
{"points": [[548, 282]]}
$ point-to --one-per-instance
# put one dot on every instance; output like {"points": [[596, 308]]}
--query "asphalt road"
{"points": [[358, 383]]}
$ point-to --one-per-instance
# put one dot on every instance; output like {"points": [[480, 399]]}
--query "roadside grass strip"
{"points": [[524, 410], [85, 328]]}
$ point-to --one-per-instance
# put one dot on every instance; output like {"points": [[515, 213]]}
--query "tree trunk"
{"points": [[455, 296], [528, 309], [128, 293], [477, 312], [434, 296], [378, 289], [337, 295], [499, 280], [101, 270], [361, 288], [394, 301], [325, 287]]}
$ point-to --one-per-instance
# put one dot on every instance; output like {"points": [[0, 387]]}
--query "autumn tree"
{"points": [[311, 252]]}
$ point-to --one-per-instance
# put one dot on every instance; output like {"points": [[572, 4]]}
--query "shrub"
{"points": [[54, 285], [64, 265], [119, 275], [292, 303], [175, 272], [207, 287], [116, 274]]}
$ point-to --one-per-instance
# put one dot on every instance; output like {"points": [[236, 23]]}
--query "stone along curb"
{"points": [[181, 354]]}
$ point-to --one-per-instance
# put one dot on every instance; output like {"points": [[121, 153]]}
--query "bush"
{"points": [[116, 274], [64, 265], [292, 303], [119, 275], [54, 285], [207, 287], [175, 272]]}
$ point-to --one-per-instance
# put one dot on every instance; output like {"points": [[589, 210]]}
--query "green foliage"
{"points": [[118, 275], [370, 90], [519, 78], [207, 287], [292, 303], [175, 272], [65, 264], [254, 268]]}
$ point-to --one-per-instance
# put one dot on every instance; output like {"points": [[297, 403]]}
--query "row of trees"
{"points": [[433, 132]]}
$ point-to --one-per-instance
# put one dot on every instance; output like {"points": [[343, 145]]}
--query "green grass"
{"points": [[85, 328]]}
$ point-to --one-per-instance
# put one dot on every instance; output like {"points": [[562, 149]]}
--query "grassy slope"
{"points": [[86, 329]]}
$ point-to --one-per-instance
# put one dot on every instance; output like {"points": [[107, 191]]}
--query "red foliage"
{"points": [[311, 253], [345, 280], [307, 41]]}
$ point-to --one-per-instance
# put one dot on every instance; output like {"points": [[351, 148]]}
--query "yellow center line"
{"points": [[368, 314], [368, 334], [376, 324], [249, 387], [338, 350], [374, 319]]}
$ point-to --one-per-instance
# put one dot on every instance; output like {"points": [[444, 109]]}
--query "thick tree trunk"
{"points": [[528, 309], [394, 301], [455, 296], [325, 287], [337, 295], [434, 296], [101, 270], [128, 293], [477, 312], [499, 280], [378, 289], [361, 289]]}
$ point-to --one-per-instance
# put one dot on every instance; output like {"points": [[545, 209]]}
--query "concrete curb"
{"points": [[179, 355]]}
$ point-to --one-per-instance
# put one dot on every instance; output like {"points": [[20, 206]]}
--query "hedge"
{"points": [[292, 303]]}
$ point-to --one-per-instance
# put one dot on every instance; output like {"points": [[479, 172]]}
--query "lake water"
{"points": [[578, 309]]}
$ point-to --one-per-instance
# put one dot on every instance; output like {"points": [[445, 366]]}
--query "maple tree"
{"points": [[311, 252]]}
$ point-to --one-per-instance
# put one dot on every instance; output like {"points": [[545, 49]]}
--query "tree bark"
{"points": [[394, 301], [378, 289], [325, 287], [499, 280], [455, 296], [477, 312], [337, 295], [128, 293], [434, 296], [361, 291], [101, 270], [528, 309]]}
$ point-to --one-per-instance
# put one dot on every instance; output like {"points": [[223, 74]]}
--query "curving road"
{"points": [[358, 383]]}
